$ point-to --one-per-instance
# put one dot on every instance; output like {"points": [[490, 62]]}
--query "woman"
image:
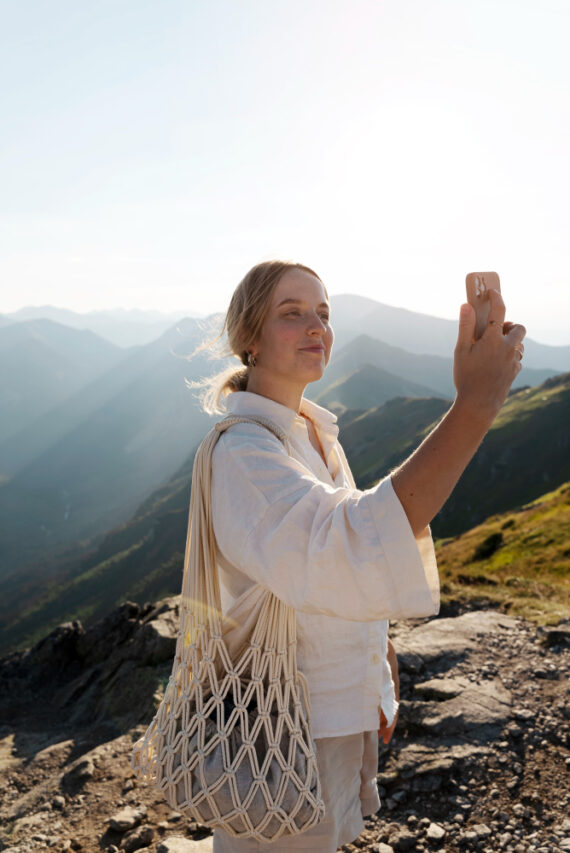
{"points": [[346, 560]]}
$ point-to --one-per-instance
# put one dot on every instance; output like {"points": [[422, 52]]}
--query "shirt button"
{"points": [[375, 659]]}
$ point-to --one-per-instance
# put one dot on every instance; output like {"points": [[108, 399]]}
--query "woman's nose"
{"points": [[317, 324]]}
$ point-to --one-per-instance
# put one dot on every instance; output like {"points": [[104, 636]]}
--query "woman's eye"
{"points": [[296, 313]]}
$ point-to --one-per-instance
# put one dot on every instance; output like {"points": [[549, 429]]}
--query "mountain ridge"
{"points": [[423, 333]]}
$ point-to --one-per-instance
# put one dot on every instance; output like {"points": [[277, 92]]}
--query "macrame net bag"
{"points": [[230, 744]]}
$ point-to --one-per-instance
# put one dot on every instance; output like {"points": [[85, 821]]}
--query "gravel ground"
{"points": [[480, 759]]}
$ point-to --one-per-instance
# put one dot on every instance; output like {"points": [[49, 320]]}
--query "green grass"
{"points": [[518, 561]]}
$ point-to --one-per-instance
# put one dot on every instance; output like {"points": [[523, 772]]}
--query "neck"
{"points": [[288, 394]]}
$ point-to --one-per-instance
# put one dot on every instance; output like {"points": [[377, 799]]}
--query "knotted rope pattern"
{"points": [[230, 744]]}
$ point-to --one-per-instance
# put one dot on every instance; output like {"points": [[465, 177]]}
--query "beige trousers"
{"points": [[347, 767]]}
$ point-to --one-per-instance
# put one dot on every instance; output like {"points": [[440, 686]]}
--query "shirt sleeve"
{"points": [[333, 551]]}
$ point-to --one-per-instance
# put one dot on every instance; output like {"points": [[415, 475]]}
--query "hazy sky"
{"points": [[151, 152]]}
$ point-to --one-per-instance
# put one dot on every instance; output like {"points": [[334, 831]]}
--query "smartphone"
{"points": [[477, 284]]}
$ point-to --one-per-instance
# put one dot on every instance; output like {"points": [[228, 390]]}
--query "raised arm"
{"points": [[483, 372]]}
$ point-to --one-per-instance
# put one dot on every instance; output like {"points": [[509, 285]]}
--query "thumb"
{"points": [[466, 331]]}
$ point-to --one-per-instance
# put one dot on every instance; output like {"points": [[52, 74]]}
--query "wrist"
{"points": [[474, 416]]}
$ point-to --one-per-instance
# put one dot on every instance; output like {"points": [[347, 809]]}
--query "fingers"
{"points": [[496, 312], [466, 332], [386, 731], [515, 334]]}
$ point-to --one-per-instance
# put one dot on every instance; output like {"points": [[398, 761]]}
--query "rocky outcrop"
{"points": [[106, 676], [480, 759]]}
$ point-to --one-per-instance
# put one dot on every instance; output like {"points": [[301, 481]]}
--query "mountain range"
{"points": [[122, 327], [142, 559], [86, 463], [352, 315], [91, 430], [93, 434], [422, 334]]}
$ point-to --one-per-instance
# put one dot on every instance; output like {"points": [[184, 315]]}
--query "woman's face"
{"points": [[296, 338]]}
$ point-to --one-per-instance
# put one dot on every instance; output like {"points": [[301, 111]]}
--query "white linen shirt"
{"points": [[344, 558]]}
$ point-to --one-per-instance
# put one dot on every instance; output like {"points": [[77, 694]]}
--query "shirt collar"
{"points": [[248, 403]]}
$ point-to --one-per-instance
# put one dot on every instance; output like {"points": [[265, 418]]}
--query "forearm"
{"points": [[426, 479]]}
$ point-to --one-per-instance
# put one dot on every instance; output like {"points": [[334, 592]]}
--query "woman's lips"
{"points": [[313, 349]]}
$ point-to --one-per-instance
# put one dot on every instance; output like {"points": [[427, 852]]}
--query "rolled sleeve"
{"points": [[412, 561], [324, 550]]}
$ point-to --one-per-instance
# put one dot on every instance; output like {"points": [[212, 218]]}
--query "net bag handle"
{"points": [[200, 584]]}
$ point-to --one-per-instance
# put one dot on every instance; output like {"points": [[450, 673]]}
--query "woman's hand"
{"points": [[386, 731], [484, 370]]}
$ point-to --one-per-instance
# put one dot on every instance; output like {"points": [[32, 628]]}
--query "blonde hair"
{"points": [[242, 326]]}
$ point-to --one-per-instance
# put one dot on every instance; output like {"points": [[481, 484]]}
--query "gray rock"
{"points": [[435, 832], [409, 662], [155, 642], [481, 831], [559, 636], [382, 848], [462, 803], [418, 759], [176, 844], [524, 714], [79, 773], [452, 636], [404, 840], [137, 838], [440, 689], [127, 818], [487, 704], [58, 802]]}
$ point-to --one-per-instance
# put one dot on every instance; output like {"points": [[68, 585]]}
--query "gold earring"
{"points": [[251, 360]]}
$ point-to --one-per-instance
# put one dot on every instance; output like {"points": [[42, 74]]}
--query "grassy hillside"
{"points": [[518, 561], [525, 453], [378, 439]]}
